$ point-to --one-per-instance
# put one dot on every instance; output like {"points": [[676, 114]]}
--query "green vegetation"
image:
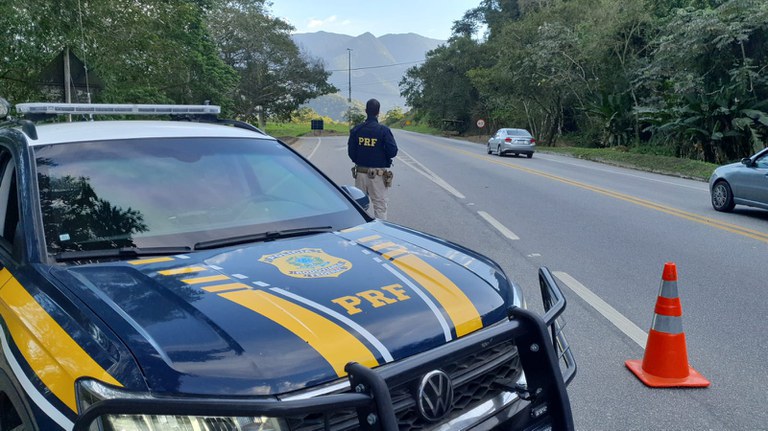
{"points": [[617, 156], [233, 53], [686, 78], [420, 128], [303, 128], [631, 82]]}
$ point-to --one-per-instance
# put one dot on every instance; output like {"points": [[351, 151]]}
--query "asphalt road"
{"points": [[606, 233]]}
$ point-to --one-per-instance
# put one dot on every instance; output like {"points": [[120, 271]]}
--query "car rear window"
{"points": [[517, 132]]}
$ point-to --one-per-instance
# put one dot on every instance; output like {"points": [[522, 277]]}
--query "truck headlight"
{"points": [[91, 391], [186, 423]]}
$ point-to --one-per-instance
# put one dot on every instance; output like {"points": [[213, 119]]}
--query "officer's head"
{"points": [[372, 107]]}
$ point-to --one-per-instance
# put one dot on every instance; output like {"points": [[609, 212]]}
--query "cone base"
{"points": [[693, 380]]}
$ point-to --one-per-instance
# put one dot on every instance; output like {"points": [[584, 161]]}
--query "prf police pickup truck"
{"points": [[193, 273]]}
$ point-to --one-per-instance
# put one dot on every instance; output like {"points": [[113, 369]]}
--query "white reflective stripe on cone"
{"points": [[668, 289], [667, 324]]}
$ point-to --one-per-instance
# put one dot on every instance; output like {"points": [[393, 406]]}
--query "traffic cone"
{"points": [[665, 363]]}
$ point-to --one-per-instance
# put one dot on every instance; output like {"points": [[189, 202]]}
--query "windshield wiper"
{"points": [[264, 236], [120, 253]]}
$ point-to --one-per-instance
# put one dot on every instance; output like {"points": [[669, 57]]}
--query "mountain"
{"points": [[377, 65]]}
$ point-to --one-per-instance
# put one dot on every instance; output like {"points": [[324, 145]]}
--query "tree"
{"points": [[142, 50], [394, 115], [275, 77], [493, 14], [707, 83], [440, 88], [355, 114]]}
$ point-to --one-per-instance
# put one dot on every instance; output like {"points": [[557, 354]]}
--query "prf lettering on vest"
{"points": [[366, 142], [374, 298]]}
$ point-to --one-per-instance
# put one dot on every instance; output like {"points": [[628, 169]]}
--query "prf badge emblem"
{"points": [[307, 263]]}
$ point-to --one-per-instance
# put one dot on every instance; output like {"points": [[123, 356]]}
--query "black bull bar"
{"points": [[545, 356]]}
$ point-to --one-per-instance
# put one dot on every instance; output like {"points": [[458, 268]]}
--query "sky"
{"points": [[429, 18]]}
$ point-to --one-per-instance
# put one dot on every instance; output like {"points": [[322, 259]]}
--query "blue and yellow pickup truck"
{"points": [[193, 273]]}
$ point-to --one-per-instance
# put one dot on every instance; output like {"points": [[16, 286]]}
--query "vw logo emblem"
{"points": [[435, 396]]}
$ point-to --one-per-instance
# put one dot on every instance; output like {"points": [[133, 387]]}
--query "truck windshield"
{"points": [[179, 192]]}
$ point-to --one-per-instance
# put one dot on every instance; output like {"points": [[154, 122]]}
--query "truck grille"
{"points": [[473, 379]]}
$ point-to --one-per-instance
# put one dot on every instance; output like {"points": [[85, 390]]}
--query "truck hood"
{"points": [[279, 316]]}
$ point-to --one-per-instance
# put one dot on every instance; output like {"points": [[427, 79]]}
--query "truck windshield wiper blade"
{"points": [[125, 252], [264, 236]]}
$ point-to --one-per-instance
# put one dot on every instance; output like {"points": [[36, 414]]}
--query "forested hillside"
{"points": [[377, 65], [678, 77]]}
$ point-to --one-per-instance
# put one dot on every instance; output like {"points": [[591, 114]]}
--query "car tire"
{"points": [[722, 197], [529, 155], [498, 151]]}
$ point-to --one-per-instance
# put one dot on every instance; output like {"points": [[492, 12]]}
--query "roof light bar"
{"points": [[114, 109]]}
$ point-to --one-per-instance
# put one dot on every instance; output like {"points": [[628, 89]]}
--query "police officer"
{"points": [[372, 147]]}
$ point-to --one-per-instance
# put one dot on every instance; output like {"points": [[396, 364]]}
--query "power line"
{"points": [[377, 67], [383, 81]]}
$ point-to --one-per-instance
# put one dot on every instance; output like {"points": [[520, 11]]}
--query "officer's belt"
{"points": [[377, 171]]}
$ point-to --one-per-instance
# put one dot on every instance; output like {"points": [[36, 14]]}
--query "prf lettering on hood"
{"points": [[375, 298], [307, 263]]}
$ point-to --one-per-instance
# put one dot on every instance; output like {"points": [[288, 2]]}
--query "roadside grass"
{"points": [[304, 128], [418, 128], [685, 168]]}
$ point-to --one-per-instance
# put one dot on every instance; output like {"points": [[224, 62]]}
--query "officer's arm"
{"points": [[390, 146], [352, 147]]}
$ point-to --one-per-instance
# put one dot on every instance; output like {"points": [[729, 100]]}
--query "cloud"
{"points": [[332, 22]]}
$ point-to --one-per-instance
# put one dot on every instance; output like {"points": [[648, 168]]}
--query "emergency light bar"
{"points": [[113, 109]]}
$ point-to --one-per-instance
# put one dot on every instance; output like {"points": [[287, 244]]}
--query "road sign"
{"points": [[480, 123]]}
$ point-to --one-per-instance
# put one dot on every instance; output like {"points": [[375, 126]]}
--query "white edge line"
{"points": [[425, 298], [36, 396], [314, 149], [500, 227], [431, 176], [349, 322], [625, 325]]}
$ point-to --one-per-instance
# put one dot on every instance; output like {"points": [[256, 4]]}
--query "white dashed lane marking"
{"points": [[498, 226]]}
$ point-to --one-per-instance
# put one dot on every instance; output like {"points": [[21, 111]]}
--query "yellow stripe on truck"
{"points": [[152, 260], [181, 271], [330, 340], [55, 357], [454, 301]]}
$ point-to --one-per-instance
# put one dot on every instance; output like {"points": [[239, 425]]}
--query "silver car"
{"points": [[512, 141], [742, 183]]}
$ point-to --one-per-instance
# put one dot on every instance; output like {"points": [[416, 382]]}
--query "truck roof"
{"points": [[133, 129]]}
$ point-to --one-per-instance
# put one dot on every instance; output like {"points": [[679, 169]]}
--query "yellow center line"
{"points": [[740, 230]]}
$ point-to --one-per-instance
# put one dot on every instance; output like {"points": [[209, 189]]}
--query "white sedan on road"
{"points": [[512, 141]]}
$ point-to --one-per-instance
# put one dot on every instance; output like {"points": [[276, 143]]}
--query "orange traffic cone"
{"points": [[665, 363]]}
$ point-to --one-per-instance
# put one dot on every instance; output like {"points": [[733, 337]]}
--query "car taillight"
{"points": [[533, 141], [508, 140]]}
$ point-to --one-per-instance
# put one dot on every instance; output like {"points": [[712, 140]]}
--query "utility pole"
{"points": [[349, 97], [67, 80]]}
